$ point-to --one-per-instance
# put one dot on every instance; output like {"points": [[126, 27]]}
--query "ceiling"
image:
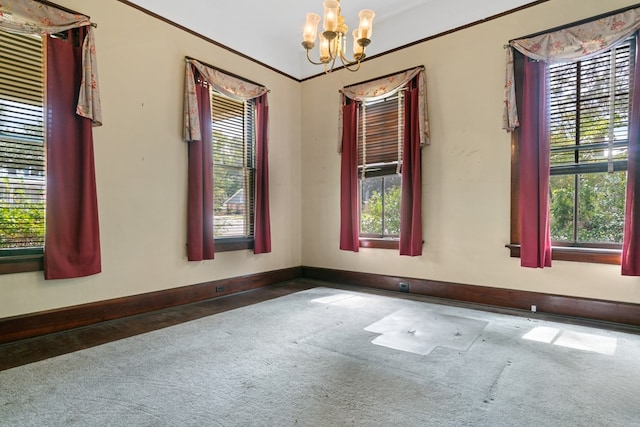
{"points": [[271, 31]]}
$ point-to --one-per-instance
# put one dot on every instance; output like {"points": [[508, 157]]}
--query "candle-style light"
{"points": [[332, 41]]}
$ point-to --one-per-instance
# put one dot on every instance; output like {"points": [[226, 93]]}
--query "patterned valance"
{"points": [[227, 85], [567, 45], [384, 87], [32, 17]]}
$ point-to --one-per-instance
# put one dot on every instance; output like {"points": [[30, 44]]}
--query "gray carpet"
{"points": [[327, 357]]}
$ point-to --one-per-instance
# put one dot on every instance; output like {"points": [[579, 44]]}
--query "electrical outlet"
{"points": [[534, 308], [219, 288], [404, 287]]}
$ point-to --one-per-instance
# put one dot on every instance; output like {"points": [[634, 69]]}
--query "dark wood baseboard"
{"points": [[599, 310], [51, 321], [46, 322]]}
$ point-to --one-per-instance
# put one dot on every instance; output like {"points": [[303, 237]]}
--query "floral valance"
{"points": [[567, 45], [383, 88], [32, 17], [227, 85]]}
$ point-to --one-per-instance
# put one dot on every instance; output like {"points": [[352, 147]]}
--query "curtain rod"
{"points": [[385, 76], [188, 58], [580, 22]]}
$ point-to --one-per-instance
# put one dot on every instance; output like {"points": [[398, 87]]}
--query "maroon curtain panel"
{"points": [[261, 226], [349, 228], [631, 240], [72, 240], [411, 199], [200, 183], [535, 234]]}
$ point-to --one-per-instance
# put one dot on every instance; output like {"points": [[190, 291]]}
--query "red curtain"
{"points": [[72, 241], [349, 228], [261, 227], [535, 234], [631, 241], [200, 182], [411, 200]]}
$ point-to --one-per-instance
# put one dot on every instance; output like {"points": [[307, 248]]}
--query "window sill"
{"points": [[232, 244], [21, 263], [566, 253], [379, 243]]}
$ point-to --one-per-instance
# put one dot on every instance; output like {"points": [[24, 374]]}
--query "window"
{"points": [[380, 138], [589, 136], [22, 179], [588, 116], [233, 147]]}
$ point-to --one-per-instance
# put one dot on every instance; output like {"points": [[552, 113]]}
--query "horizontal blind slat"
{"points": [[22, 178]]}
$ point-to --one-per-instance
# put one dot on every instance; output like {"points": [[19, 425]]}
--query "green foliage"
{"points": [[375, 209], [601, 205], [561, 207], [22, 222]]}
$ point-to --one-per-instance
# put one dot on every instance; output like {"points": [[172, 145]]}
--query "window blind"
{"points": [[22, 180], [380, 135], [234, 166], [589, 113]]}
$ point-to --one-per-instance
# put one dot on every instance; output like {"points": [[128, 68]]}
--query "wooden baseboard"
{"points": [[46, 322], [599, 310]]}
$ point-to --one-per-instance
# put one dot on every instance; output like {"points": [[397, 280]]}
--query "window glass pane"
{"points": [[561, 207], [601, 203], [371, 205], [392, 192], [380, 206], [229, 202]]}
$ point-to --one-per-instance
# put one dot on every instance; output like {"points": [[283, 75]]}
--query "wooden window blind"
{"points": [[22, 177], [380, 136], [589, 113]]}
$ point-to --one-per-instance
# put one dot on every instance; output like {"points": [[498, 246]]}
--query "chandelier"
{"points": [[333, 40]]}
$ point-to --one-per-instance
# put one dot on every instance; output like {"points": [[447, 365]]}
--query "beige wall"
{"points": [[141, 167], [466, 185]]}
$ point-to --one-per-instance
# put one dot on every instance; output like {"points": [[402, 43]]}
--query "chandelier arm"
{"points": [[312, 61], [333, 55], [347, 64], [353, 70], [333, 64]]}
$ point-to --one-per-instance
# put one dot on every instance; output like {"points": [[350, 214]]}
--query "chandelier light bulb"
{"points": [[331, 11], [311, 28], [366, 23]]}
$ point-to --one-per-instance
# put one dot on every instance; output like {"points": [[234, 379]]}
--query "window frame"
{"points": [[26, 259], [597, 254], [382, 170], [235, 243], [600, 255]]}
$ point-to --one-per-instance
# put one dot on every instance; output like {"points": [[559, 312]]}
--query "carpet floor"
{"points": [[335, 357]]}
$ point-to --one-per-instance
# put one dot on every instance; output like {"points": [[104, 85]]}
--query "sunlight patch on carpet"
{"points": [[344, 300], [578, 340], [420, 331]]}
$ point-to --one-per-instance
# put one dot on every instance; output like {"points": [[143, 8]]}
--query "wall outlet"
{"points": [[404, 287], [219, 288]]}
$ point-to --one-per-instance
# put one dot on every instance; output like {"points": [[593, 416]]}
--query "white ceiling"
{"points": [[270, 31]]}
